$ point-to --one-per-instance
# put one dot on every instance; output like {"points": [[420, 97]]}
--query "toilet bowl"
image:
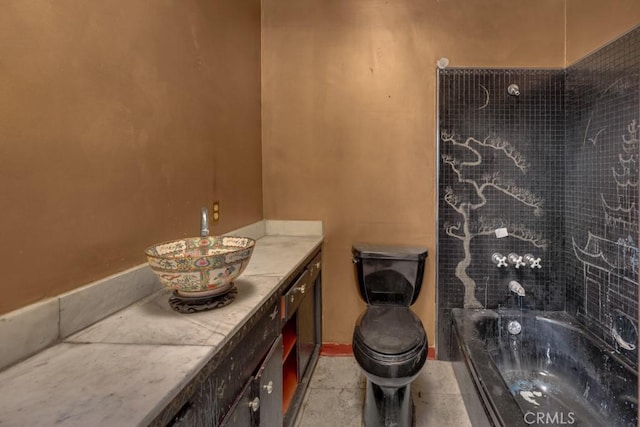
{"points": [[389, 341]]}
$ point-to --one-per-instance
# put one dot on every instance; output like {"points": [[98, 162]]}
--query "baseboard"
{"points": [[431, 353], [335, 349]]}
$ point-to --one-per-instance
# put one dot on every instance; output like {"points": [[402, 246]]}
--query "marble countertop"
{"points": [[124, 369]]}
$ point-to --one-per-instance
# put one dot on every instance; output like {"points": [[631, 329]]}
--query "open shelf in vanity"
{"points": [[289, 363]]}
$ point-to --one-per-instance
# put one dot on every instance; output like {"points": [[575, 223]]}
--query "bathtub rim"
{"points": [[485, 373]]}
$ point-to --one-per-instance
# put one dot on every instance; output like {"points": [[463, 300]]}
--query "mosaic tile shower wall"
{"points": [[501, 167], [603, 117], [556, 165]]}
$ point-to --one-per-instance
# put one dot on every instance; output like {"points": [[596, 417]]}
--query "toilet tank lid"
{"points": [[406, 253]]}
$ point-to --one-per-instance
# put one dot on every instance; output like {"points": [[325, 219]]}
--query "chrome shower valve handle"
{"points": [[499, 260], [516, 260], [532, 261]]}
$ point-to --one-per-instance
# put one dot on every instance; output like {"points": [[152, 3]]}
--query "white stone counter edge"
{"points": [[30, 329]]}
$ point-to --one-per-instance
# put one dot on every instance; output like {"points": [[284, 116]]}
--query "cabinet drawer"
{"points": [[314, 267], [294, 296]]}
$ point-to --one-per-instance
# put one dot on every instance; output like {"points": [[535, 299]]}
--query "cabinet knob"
{"points": [[301, 289], [318, 265], [255, 404], [268, 387]]}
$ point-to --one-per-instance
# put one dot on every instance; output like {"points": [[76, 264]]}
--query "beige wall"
{"points": [[349, 118], [593, 23], [118, 121]]}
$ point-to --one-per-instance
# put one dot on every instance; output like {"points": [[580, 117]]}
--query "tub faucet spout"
{"points": [[516, 288], [204, 223]]}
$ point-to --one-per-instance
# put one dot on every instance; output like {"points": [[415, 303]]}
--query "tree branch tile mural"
{"points": [[467, 228]]}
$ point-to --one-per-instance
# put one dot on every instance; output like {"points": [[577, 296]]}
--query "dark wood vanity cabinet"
{"points": [[260, 379], [246, 385]]}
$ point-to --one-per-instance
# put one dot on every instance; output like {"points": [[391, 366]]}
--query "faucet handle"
{"points": [[499, 260], [516, 260], [532, 261]]}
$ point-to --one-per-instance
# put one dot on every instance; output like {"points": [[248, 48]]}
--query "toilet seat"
{"points": [[390, 342], [390, 330]]}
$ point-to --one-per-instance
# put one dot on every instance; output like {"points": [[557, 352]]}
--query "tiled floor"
{"points": [[336, 394]]}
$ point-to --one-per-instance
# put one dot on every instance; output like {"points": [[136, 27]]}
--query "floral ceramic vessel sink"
{"points": [[200, 266]]}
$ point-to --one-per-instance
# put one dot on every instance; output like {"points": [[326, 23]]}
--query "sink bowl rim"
{"points": [[149, 250]]}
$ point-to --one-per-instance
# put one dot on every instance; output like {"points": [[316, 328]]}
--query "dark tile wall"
{"points": [[603, 117], [501, 166], [558, 167]]}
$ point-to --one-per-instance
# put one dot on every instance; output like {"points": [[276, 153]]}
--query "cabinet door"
{"points": [[243, 412], [310, 324], [306, 331], [200, 410], [269, 386]]}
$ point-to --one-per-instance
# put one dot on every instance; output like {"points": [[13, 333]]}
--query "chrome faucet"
{"points": [[516, 288], [204, 223]]}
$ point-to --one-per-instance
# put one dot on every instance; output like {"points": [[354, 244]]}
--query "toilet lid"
{"points": [[390, 330]]}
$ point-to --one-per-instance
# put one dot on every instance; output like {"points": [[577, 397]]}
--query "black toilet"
{"points": [[389, 341]]}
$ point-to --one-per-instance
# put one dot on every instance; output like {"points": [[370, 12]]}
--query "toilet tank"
{"points": [[389, 275]]}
